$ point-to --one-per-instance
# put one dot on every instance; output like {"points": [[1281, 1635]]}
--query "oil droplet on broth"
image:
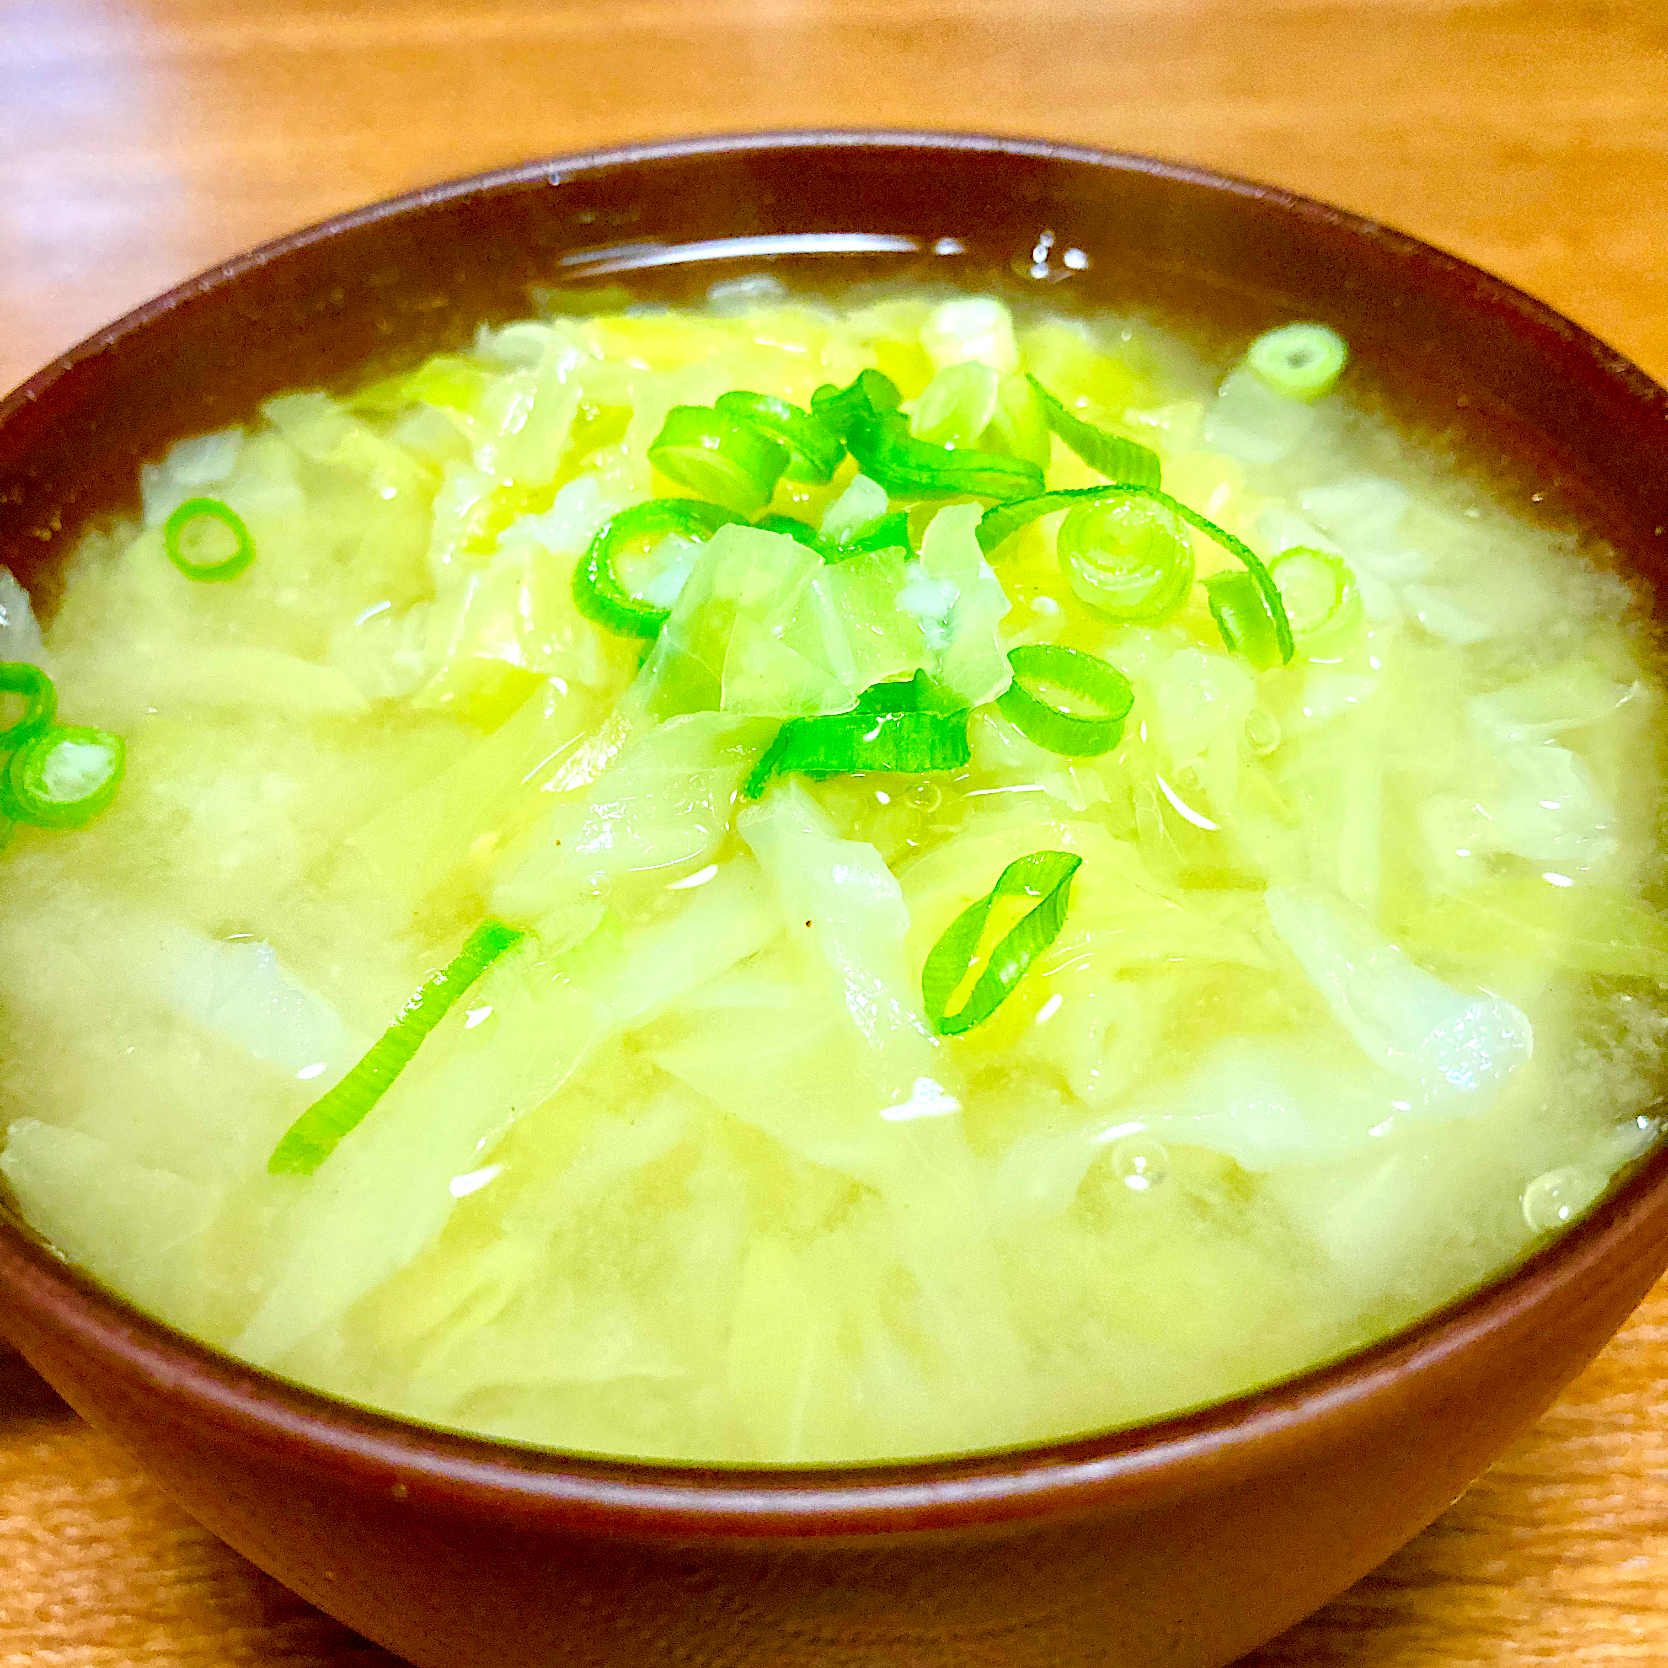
{"points": [[1140, 1163], [1555, 1198]]}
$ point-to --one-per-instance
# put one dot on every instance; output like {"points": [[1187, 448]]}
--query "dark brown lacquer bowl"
{"points": [[1184, 1543]]}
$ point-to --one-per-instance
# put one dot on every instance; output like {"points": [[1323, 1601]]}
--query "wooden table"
{"points": [[142, 139]]}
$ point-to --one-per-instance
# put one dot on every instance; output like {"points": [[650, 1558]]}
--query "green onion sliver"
{"points": [[791, 527], [814, 450], [1127, 557], [598, 592], [888, 453], [998, 522], [1085, 676], [1044, 875], [1301, 361], [891, 532], [211, 509], [313, 1136], [1242, 618], [40, 697], [732, 463], [63, 776], [1321, 598], [910, 725], [1126, 462], [870, 395]]}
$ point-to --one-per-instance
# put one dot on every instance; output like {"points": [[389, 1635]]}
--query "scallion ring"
{"points": [[1301, 361], [1242, 618], [909, 468], [1321, 597], [870, 394], [1128, 557], [814, 450], [732, 463], [1002, 520], [1085, 677], [599, 593], [207, 509], [40, 700], [63, 776], [791, 527], [313, 1136], [891, 532], [1126, 462], [912, 724], [1043, 875]]}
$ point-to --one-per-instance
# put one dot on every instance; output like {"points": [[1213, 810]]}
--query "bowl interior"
{"points": [[1540, 405]]}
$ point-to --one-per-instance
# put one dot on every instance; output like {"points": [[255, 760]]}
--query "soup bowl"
{"points": [[1186, 1541]]}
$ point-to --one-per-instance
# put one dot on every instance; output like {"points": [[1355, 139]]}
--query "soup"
{"points": [[800, 882]]}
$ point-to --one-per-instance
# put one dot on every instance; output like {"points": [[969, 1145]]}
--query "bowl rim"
{"points": [[703, 1501]]}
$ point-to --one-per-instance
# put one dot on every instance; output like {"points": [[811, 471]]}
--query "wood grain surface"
{"points": [[143, 139]]}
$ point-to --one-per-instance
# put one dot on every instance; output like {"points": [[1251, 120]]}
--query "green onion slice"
{"points": [[888, 453], [871, 395], [1128, 557], [210, 509], [598, 592], [733, 463], [1321, 598], [1242, 617], [1084, 676], [1045, 876], [1126, 462], [40, 698], [891, 532], [63, 776], [1002, 520], [1301, 361], [814, 450], [791, 527], [913, 724], [313, 1136]]}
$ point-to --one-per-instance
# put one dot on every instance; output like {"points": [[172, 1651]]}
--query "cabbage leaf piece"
{"points": [[1453, 1052], [534, 1020]]}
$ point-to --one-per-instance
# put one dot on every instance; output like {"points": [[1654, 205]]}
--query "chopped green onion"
{"points": [[888, 453], [913, 724], [1002, 520], [1321, 598], [957, 406], [62, 777], [598, 592], [207, 509], [313, 1136], [869, 396], [1126, 462], [1085, 676], [732, 463], [1044, 875], [1128, 557], [891, 532], [791, 527], [1242, 617], [814, 450], [21, 677], [1301, 361]]}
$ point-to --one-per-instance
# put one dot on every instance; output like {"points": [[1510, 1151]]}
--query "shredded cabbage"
{"points": [[1357, 989]]}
